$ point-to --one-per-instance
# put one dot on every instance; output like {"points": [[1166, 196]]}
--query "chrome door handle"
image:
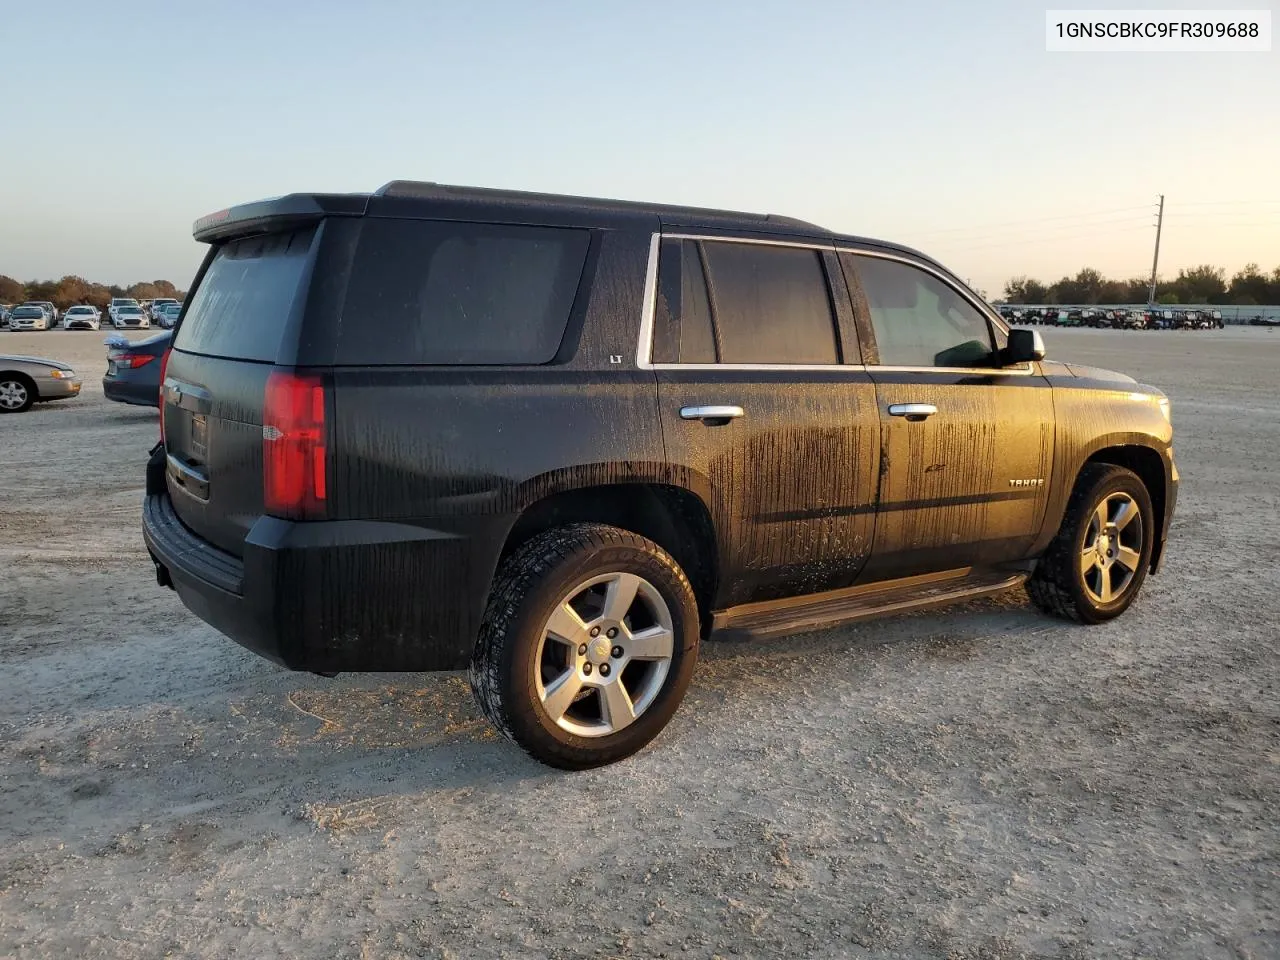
{"points": [[912, 411], [716, 415]]}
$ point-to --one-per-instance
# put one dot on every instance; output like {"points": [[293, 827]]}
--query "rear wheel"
{"points": [[1095, 566], [16, 393], [587, 646]]}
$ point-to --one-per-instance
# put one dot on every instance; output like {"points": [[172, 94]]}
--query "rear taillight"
{"points": [[133, 360], [164, 368], [293, 446]]}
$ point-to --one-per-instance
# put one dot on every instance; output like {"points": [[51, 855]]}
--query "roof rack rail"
{"points": [[430, 190]]}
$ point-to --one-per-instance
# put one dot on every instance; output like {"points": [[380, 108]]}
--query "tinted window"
{"points": [[697, 338], [683, 330], [437, 292], [770, 304], [918, 320], [243, 302]]}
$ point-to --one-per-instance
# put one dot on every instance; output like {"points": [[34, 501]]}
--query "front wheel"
{"points": [[1095, 566], [587, 646], [16, 395]]}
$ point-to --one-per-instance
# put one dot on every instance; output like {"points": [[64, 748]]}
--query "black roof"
{"points": [[448, 201], [519, 200]]}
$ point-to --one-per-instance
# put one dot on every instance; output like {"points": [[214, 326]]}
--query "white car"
{"points": [[156, 307], [82, 317], [130, 317], [169, 315], [117, 303], [29, 317]]}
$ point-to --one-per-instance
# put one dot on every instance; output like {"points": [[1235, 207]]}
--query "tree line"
{"points": [[1203, 284], [70, 291]]}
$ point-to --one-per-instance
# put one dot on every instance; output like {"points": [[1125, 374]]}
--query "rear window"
{"points": [[243, 302], [435, 292]]}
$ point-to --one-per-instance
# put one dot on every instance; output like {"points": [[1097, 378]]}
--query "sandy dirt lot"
{"points": [[978, 783]]}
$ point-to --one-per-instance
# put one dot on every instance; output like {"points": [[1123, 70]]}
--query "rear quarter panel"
{"points": [[466, 449]]}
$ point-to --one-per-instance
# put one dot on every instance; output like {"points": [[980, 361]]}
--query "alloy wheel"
{"points": [[13, 395], [604, 654], [1112, 551]]}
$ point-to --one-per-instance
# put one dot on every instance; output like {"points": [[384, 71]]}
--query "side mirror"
{"points": [[1024, 346]]}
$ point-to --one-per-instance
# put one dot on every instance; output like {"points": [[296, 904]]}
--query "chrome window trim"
{"points": [[805, 245], [649, 306], [1021, 370]]}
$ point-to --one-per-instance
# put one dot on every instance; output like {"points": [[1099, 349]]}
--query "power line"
{"points": [[1236, 224], [1218, 214], [1225, 203], [1040, 237], [1007, 223]]}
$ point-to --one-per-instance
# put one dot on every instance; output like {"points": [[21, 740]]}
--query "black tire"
{"points": [[18, 380], [528, 587], [1058, 585]]}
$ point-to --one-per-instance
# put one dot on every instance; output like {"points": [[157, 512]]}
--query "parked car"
{"points": [[81, 317], [169, 315], [118, 303], [133, 369], [50, 310], [28, 380], [157, 305], [4, 315], [561, 440], [126, 317], [29, 317]]}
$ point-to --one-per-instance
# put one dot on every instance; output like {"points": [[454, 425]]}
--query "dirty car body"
{"points": [[350, 462]]}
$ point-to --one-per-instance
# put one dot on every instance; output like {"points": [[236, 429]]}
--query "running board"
{"points": [[821, 610]]}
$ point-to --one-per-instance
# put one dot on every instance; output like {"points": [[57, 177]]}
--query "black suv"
{"points": [[560, 441]]}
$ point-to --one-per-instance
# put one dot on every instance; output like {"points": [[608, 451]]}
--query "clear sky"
{"points": [[945, 125]]}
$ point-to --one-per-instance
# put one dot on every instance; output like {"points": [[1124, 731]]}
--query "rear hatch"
{"points": [[242, 318]]}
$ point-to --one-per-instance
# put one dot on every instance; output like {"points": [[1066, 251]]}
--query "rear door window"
{"points": [[242, 304], [437, 292], [771, 304], [683, 330]]}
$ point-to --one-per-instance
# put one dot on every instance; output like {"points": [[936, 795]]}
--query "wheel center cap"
{"points": [[598, 650]]}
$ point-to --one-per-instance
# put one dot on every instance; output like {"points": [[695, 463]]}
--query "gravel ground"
{"points": [[978, 783]]}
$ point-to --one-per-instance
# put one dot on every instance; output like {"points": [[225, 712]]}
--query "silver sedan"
{"points": [[28, 380]]}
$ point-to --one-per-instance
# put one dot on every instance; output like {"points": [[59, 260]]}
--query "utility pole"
{"points": [[1151, 296]]}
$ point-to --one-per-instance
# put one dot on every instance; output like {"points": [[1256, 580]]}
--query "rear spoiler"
{"points": [[276, 214]]}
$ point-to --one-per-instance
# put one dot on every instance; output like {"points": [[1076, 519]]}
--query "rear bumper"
{"points": [[327, 596], [124, 391]]}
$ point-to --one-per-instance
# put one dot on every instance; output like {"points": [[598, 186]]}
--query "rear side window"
{"points": [[242, 304], [436, 292], [771, 304]]}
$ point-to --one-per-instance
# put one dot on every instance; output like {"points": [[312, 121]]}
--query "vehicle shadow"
{"points": [[362, 752]]}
